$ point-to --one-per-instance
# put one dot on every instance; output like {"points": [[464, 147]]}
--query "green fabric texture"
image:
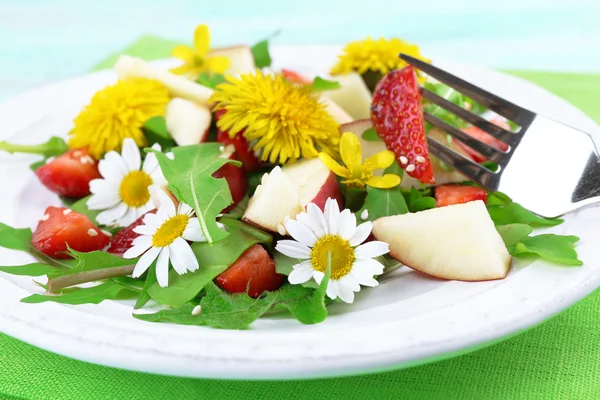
{"points": [[560, 359]]}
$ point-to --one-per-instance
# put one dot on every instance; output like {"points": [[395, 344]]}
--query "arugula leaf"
{"points": [[55, 146], [354, 198], [513, 233], [320, 85], [453, 96], [109, 290], [555, 248], [284, 265], [238, 211], [211, 80], [156, 132], [514, 213], [190, 179], [181, 315], [15, 239], [144, 296], [305, 304], [370, 135], [262, 57], [95, 260], [417, 201], [495, 198], [382, 203], [81, 207], [38, 164], [213, 260], [35, 269]]}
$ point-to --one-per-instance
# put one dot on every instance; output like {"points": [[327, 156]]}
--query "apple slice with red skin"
{"points": [[314, 181], [254, 271]]}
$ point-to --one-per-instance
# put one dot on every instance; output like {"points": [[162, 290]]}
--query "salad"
{"points": [[222, 190]]}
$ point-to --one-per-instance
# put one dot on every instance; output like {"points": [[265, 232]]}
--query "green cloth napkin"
{"points": [[559, 359]]}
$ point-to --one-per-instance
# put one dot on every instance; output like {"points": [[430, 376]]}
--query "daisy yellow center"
{"points": [[170, 230], [134, 188], [342, 255]]}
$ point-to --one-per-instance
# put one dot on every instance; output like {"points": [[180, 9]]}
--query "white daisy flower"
{"points": [[163, 237], [123, 193], [319, 235]]}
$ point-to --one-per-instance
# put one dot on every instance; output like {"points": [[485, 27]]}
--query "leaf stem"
{"points": [[88, 276], [55, 146]]}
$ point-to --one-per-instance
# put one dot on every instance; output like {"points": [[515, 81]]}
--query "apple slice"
{"points": [[274, 200], [455, 242], [240, 57], [337, 112], [314, 181], [127, 66], [354, 96], [187, 122]]}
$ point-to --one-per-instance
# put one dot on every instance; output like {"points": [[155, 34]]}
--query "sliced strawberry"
{"points": [[485, 138], [256, 266], [295, 77], [242, 148], [123, 240], [447, 195], [236, 179], [397, 116], [70, 174], [61, 226]]}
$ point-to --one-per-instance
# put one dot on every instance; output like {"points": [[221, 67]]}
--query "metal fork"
{"points": [[549, 168]]}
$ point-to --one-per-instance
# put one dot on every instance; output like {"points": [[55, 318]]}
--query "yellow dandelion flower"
{"points": [[356, 173], [118, 112], [379, 55], [282, 120], [197, 59]]}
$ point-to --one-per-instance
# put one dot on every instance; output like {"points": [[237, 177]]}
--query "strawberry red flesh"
{"points": [[61, 227], [70, 174], [397, 115], [123, 240], [447, 195], [237, 181], [295, 77], [485, 137], [242, 148], [256, 267]]}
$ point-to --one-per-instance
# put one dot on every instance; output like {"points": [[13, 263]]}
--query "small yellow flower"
{"points": [[118, 112], [197, 59], [379, 55], [280, 119], [356, 173]]}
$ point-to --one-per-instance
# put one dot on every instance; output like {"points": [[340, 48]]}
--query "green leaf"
{"points": [[15, 239], [190, 179], [453, 96], [213, 260], [417, 201], [305, 304], [395, 169], [156, 132], [262, 57], [514, 213], [370, 135], [55, 146], [81, 207], [513, 233], [38, 164], [109, 290], [211, 80], [284, 265], [144, 296], [238, 211], [320, 85], [497, 199], [355, 198], [95, 260], [382, 203], [555, 248], [35, 269], [181, 315]]}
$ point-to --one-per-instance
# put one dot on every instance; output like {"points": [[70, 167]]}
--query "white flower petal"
{"points": [[145, 230], [184, 255], [178, 260], [350, 282], [128, 218], [193, 234], [345, 293], [150, 163], [185, 209], [102, 201], [113, 166], [332, 213], [131, 155], [371, 249], [104, 186], [317, 218], [152, 220], [162, 267], [293, 249], [361, 234], [302, 273], [332, 289], [370, 282], [145, 261], [300, 232], [112, 215], [347, 226], [167, 207], [139, 246], [367, 268], [318, 276]]}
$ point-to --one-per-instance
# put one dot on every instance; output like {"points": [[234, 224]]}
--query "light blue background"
{"points": [[45, 40]]}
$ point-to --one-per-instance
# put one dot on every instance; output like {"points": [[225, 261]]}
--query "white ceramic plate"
{"points": [[408, 319]]}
